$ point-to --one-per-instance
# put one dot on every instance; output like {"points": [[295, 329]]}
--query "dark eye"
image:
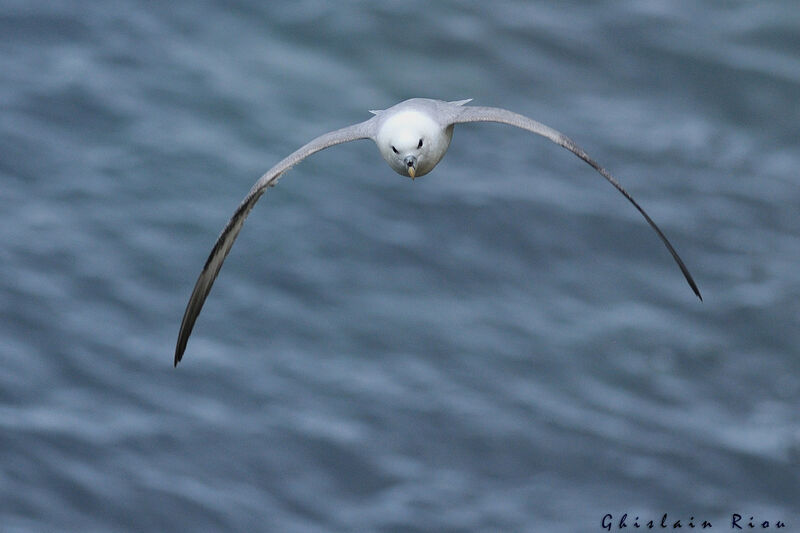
{"points": [[394, 149], [420, 144]]}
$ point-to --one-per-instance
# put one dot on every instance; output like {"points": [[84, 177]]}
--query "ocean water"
{"points": [[502, 345]]}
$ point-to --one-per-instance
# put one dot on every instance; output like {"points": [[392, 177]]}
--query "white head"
{"points": [[412, 142]]}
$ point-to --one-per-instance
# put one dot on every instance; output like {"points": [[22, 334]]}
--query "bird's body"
{"points": [[414, 131], [412, 137]]}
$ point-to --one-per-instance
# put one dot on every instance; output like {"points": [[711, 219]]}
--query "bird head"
{"points": [[412, 142]]}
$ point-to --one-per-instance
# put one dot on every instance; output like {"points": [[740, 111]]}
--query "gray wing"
{"points": [[363, 130], [496, 114]]}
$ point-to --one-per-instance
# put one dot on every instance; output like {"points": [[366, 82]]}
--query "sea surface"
{"points": [[503, 345]]}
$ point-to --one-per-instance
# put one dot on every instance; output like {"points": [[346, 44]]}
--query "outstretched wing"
{"points": [[362, 130], [496, 114]]}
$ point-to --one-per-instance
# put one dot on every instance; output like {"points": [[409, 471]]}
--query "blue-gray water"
{"points": [[502, 345]]}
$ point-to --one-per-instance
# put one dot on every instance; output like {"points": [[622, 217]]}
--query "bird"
{"points": [[412, 137]]}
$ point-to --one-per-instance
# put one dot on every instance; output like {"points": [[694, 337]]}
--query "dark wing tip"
{"points": [[693, 285], [206, 279], [684, 270], [180, 348], [213, 264], [690, 279], [570, 145], [193, 308]]}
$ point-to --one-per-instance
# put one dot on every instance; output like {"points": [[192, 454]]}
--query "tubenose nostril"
{"points": [[410, 163]]}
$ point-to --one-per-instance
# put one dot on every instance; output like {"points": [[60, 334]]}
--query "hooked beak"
{"points": [[411, 165]]}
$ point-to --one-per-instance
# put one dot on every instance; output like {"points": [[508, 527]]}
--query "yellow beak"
{"points": [[411, 172]]}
